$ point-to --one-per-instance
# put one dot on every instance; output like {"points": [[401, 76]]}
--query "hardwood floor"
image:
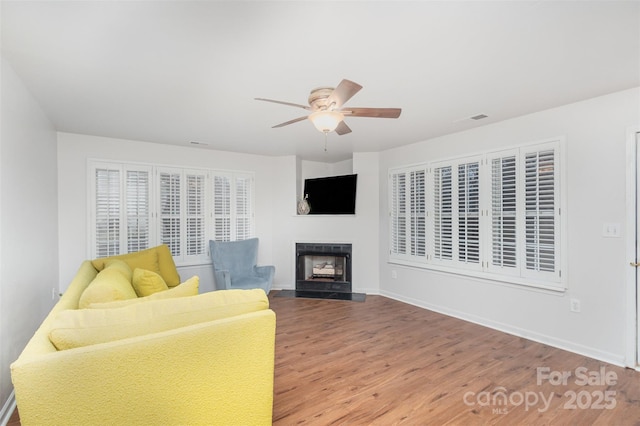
{"points": [[383, 362]]}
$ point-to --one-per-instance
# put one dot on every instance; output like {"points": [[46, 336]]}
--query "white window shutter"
{"points": [[195, 214], [540, 192], [469, 213], [133, 207], [442, 213], [398, 194], [503, 212], [222, 207], [107, 213], [244, 210], [418, 213], [137, 206], [169, 214]]}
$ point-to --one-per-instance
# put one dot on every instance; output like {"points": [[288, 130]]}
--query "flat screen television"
{"points": [[331, 195]]}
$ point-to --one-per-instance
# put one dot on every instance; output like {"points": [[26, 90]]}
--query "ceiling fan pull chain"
{"points": [[325, 141]]}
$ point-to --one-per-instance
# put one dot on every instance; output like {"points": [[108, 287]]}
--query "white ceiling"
{"points": [[178, 71]]}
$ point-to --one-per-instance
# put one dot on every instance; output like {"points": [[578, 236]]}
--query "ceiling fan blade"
{"points": [[342, 128], [372, 112], [286, 123], [284, 103], [341, 94]]}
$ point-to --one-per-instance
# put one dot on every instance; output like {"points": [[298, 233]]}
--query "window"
{"points": [[398, 214], [232, 205], [134, 207], [138, 209], [503, 213], [495, 215], [540, 211], [408, 213], [195, 215], [106, 213], [169, 211], [442, 208], [469, 213]]}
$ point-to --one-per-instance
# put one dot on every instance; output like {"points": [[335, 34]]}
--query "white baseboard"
{"points": [[516, 331], [8, 409]]}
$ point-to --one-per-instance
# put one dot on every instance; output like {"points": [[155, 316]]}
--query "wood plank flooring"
{"points": [[383, 362]]}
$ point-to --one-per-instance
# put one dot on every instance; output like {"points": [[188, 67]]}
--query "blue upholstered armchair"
{"points": [[234, 265]]}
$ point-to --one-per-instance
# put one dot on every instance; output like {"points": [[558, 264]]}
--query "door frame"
{"points": [[632, 332]]}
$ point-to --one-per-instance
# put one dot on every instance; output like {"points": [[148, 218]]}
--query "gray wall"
{"points": [[28, 221]]}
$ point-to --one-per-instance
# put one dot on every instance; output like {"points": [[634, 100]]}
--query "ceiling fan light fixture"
{"points": [[326, 121]]}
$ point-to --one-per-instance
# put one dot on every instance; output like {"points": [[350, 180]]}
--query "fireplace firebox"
{"points": [[323, 267]]}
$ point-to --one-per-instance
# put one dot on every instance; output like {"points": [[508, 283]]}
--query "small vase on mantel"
{"points": [[303, 206]]}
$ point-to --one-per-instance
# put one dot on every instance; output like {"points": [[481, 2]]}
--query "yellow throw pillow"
{"points": [[82, 327], [109, 285], [188, 288], [120, 266], [145, 282]]}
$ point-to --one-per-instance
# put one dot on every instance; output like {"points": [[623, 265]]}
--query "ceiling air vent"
{"points": [[479, 117]]}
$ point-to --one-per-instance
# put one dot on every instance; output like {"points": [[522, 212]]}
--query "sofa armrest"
{"points": [[218, 372]]}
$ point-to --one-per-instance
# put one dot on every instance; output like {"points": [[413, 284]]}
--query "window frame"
{"points": [[204, 209], [485, 269], [401, 237]]}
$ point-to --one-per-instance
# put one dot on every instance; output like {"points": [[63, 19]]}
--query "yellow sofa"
{"points": [[217, 372]]}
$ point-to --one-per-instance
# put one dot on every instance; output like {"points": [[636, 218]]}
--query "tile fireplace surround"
{"points": [[323, 267]]}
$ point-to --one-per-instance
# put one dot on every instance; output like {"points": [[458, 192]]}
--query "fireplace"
{"points": [[323, 267]]}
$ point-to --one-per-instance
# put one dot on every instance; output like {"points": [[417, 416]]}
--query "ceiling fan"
{"points": [[327, 112]]}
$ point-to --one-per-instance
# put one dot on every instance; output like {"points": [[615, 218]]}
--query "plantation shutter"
{"points": [[398, 192], [244, 210], [418, 211], [469, 212], [133, 207], [504, 247], [442, 213], [137, 205], [195, 214], [107, 214], [169, 210], [222, 208], [540, 192]]}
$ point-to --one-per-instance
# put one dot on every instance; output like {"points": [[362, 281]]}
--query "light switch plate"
{"points": [[611, 230]]}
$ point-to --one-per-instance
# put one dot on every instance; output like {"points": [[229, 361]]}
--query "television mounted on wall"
{"points": [[331, 195]]}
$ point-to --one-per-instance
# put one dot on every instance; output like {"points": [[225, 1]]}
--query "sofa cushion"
{"points": [[110, 284], [145, 259], [145, 282], [157, 259], [187, 288], [83, 327]]}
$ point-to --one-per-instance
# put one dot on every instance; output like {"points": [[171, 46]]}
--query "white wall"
{"points": [[277, 224], [361, 229], [28, 221], [595, 132]]}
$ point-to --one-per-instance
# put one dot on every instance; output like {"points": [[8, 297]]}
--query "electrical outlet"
{"points": [[394, 274], [53, 294], [575, 305]]}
